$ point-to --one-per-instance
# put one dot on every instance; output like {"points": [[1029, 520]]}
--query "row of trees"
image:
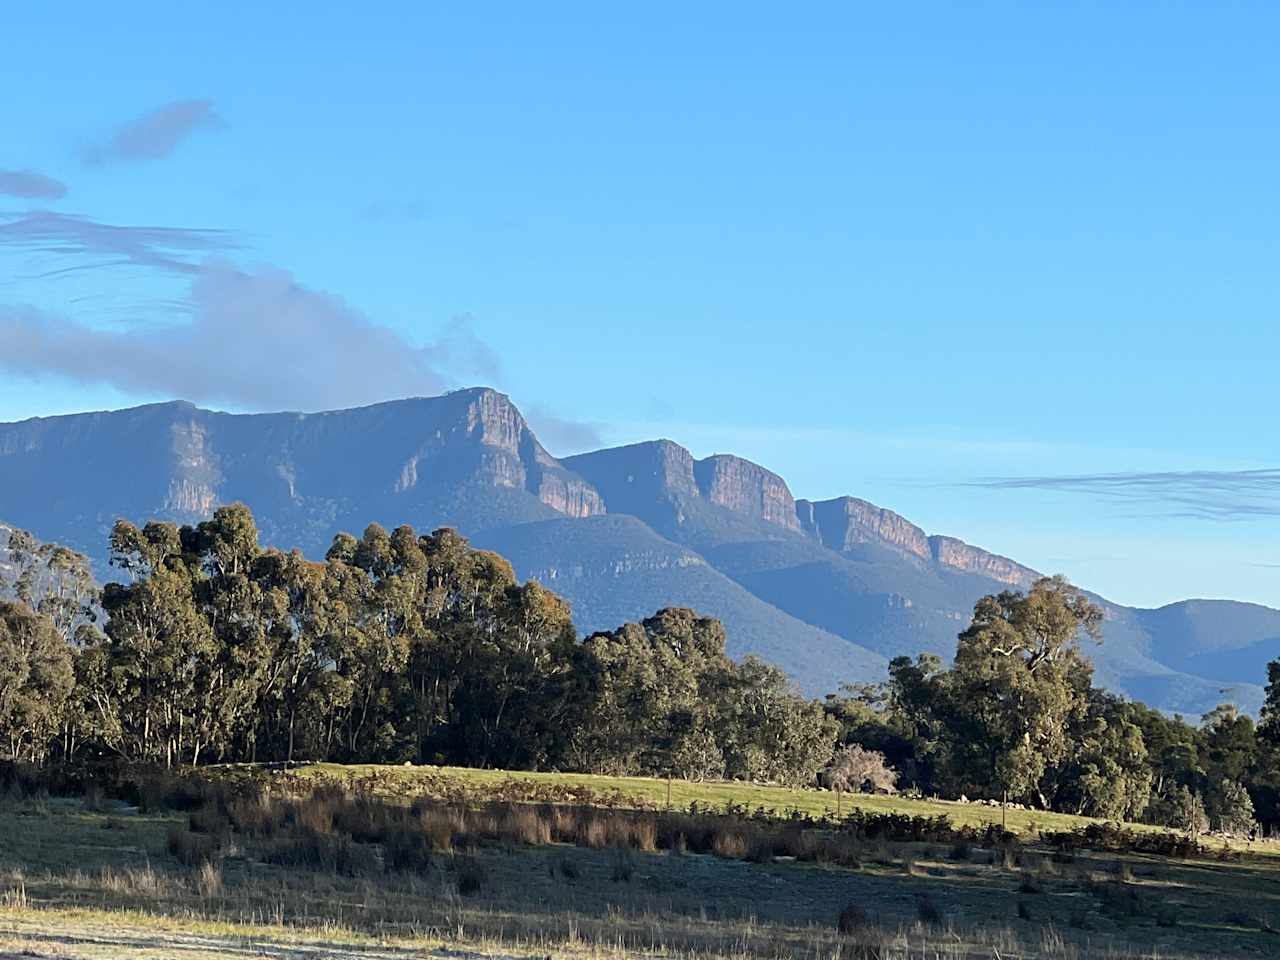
{"points": [[397, 647], [402, 646], [1017, 717]]}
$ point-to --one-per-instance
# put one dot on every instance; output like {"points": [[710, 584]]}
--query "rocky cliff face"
{"points": [[959, 555], [747, 488], [635, 478], [494, 421], [193, 486], [846, 521]]}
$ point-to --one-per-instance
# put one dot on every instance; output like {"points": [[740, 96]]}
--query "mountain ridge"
{"points": [[821, 587]]}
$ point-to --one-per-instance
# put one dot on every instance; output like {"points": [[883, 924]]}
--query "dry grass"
{"points": [[610, 879]]}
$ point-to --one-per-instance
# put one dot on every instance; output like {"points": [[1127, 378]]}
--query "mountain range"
{"points": [[829, 590]]}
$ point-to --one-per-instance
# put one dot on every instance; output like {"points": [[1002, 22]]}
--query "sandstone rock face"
{"points": [[513, 457], [635, 478], [190, 497], [845, 521], [568, 494], [959, 555], [746, 487], [193, 485]]}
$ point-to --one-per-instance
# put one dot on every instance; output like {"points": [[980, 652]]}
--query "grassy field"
{"points": [[104, 883], [679, 794]]}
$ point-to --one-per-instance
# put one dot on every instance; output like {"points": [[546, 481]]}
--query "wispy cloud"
{"points": [[1200, 494], [256, 340], [155, 134], [563, 436], [79, 242], [30, 185]]}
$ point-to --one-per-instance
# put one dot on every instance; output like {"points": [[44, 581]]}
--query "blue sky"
{"points": [[884, 251]]}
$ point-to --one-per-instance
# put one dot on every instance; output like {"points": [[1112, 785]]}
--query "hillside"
{"points": [[829, 590]]}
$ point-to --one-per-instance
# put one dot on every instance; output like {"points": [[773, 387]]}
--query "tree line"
{"points": [[398, 647], [402, 646]]}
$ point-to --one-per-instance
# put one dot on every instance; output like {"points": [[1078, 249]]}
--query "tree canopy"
{"points": [[408, 646]]}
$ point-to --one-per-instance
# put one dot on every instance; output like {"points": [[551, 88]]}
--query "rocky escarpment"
{"points": [[493, 420], [193, 486], [958, 555], [846, 521], [636, 478], [747, 488]]}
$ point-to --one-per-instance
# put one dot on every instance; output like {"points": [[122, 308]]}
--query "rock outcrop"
{"points": [[747, 488], [958, 555], [635, 478], [846, 521]]}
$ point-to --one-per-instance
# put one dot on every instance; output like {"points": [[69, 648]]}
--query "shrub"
{"points": [[623, 866], [927, 910], [209, 819], [644, 834], [256, 814], [1113, 838], [191, 849], [209, 880], [164, 790], [594, 833], [841, 850], [852, 919], [364, 818], [336, 855], [524, 824], [315, 812], [901, 827], [407, 852], [567, 868], [472, 876], [854, 769], [683, 831], [564, 823], [732, 843], [1117, 897]]}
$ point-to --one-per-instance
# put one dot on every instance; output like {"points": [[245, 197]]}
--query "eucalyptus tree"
{"points": [[1018, 684], [36, 679]]}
